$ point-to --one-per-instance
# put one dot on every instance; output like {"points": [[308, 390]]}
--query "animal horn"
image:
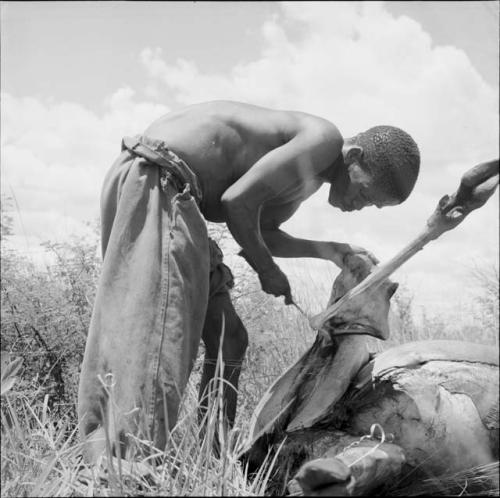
{"points": [[476, 187]]}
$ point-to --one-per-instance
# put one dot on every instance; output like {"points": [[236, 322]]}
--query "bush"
{"points": [[45, 316]]}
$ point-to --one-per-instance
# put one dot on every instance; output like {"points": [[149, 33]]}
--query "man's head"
{"points": [[380, 167]]}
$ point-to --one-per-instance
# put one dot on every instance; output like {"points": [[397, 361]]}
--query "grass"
{"points": [[476, 481], [41, 454]]}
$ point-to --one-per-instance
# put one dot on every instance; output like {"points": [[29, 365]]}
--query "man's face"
{"points": [[356, 189]]}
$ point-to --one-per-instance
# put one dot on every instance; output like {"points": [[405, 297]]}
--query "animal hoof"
{"points": [[321, 473]]}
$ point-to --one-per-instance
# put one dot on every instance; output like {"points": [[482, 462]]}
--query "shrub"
{"points": [[45, 316]]}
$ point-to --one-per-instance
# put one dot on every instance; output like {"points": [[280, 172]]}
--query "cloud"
{"points": [[55, 156], [354, 63], [357, 65], [350, 62]]}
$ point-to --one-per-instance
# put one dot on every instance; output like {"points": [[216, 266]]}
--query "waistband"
{"points": [[157, 152]]}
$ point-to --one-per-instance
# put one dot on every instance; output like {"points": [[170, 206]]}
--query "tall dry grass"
{"points": [[42, 456], [44, 320]]}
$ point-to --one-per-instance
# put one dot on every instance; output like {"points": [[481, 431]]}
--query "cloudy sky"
{"points": [[77, 76]]}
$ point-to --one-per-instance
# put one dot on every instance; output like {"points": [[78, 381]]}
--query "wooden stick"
{"points": [[376, 278], [449, 213]]}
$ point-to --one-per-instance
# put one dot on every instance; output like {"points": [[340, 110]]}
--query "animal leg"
{"points": [[349, 469]]}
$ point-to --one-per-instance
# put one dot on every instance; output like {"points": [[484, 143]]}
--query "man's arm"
{"points": [[283, 245], [280, 170]]}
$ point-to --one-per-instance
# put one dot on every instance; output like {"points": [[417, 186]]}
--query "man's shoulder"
{"points": [[301, 120], [318, 133], [312, 123]]}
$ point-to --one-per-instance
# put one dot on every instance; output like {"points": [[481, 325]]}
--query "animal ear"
{"points": [[392, 289]]}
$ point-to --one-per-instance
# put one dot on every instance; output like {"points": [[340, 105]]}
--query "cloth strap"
{"points": [[157, 152]]}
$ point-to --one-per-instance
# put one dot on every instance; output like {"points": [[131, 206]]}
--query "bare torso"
{"points": [[222, 140]]}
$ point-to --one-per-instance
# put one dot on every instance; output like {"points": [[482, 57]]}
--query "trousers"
{"points": [[159, 269]]}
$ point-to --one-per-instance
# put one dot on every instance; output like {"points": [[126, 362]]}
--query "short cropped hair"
{"points": [[393, 158]]}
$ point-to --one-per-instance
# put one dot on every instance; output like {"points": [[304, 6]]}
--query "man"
{"points": [[163, 285]]}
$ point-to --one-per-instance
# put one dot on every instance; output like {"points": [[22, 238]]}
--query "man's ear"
{"points": [[355, 172], [353, 153]]}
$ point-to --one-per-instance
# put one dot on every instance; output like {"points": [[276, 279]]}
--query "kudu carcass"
{"points": [[434, 403]]}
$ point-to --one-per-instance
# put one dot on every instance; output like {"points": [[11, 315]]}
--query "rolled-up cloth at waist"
{"points": [[174, 168]]}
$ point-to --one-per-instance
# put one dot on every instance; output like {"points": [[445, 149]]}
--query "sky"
{"points": [[78, 76]]}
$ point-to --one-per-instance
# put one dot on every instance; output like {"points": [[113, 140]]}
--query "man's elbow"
{"points": [[233, 206], [228, 202]]}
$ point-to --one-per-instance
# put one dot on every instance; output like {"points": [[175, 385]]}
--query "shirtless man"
{"points": [[244, 165]]}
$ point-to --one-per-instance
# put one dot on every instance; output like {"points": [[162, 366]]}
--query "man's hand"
{"points": [[357, 250], [338, 252], [275, 282]]}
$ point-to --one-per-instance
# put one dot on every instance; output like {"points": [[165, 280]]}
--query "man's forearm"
{"points": [[283, 245], [243, 225]]}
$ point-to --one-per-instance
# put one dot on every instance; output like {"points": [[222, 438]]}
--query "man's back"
{"points": [[222, 140]]}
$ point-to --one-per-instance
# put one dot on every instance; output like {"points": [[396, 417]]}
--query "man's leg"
{"points": [[222, 321], [149, 308]]}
